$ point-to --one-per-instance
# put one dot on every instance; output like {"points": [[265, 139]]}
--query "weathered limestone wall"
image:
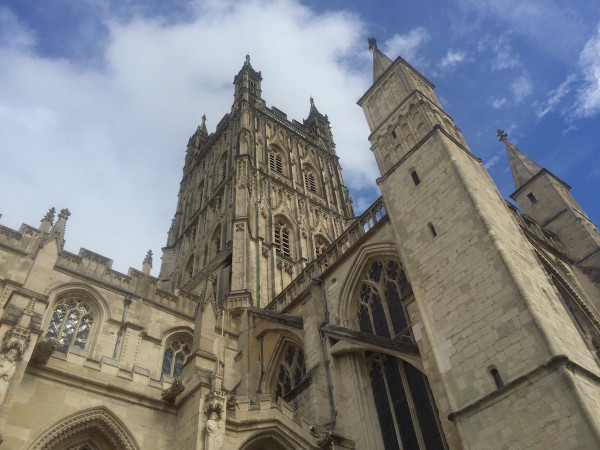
{"points": [[540, 412], [40, 402]]}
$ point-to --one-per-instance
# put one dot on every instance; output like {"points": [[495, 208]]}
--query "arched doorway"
{"points": [[267, 440], [91, 429]]}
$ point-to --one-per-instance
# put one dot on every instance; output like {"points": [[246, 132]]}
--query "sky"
{"points": [[99, 97]]}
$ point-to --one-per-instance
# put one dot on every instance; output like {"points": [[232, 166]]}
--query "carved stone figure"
{"points": [[214, 432], [171, 393], [8, 365], [43, 349]]}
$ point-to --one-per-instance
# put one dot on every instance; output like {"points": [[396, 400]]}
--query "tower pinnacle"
{"points": [[380, 61], [522, 167]]}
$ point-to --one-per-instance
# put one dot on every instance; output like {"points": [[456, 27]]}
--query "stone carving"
{"points": [[99, 419], [214, 408], [43, 349], [326, 441], [8, 365], [502, 135], [171, 393]]}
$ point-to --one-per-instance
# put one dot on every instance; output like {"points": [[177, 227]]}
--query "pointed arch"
{"points": [[283, 235], [267, 439], [75, 314], [98, 419], [285, 340], [348, 305]]}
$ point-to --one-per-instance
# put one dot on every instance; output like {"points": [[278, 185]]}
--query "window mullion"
{"points": [[411, 404], [389, 397]]}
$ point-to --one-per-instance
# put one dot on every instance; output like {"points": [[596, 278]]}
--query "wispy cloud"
{"points": [[502, 54], [452, 58], [588, 97], [555, 96], [521, 87], [408, 45], [493, 160], [97, 137], [498, 102]]}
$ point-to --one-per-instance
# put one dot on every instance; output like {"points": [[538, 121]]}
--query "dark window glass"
{"points": [[384, 413]]}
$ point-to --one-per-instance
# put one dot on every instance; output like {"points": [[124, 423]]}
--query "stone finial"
{"points": [[58, 229], [247, 62], [147, 263], [47, 220], [49, 217], [64, 214], [312, 101], [502, 135], [202, 127], [372, 43]]}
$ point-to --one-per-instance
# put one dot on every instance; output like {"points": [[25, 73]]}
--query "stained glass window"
{"points": [[406, 411], [175, 356], [291, 370], [71, 323]]}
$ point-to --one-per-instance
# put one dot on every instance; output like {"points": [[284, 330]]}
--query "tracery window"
{"points": [[282, 239], [309, 181], [71, 323], [407, 414], [275, 162], [176, 355], [291, 370]]}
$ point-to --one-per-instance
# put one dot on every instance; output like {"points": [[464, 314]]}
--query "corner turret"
{"points": [[547, 199]]}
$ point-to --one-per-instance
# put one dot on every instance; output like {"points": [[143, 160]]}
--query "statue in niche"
{"points": [[8, 365], [214, 432]]}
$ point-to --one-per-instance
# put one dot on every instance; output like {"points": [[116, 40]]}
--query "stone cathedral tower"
{"points": [[242, 189], [441, 317]]}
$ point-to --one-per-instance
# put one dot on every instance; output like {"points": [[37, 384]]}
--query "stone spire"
{"points": [[147, 263], [522, 167], [380, 61], [58, 229], [202, 127], [47, 220]]}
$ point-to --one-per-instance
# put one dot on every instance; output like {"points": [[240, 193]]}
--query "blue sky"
{"points": [[98, 97]]}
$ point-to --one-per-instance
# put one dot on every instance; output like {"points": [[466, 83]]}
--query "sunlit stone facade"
{"points": [[440, 317]]}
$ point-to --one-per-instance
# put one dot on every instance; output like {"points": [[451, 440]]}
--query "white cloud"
{"points": [[588, 97], [521, 87], [502, 53], [498, 102], [493, 160], [407, 45], [555, 96], [452, 58], [109, 142]]}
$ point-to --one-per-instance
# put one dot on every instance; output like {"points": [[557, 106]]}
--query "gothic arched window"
{"points": [[291, 370], [282, 238], [407, 414], [309, 181], [175, 357], [71, 323], [275, 162]]}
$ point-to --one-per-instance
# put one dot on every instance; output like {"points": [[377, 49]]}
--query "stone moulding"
{"points": [[267, 436], [99, 419]]}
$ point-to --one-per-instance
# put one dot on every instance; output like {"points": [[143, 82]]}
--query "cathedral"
{"points": [[441, 317]]}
